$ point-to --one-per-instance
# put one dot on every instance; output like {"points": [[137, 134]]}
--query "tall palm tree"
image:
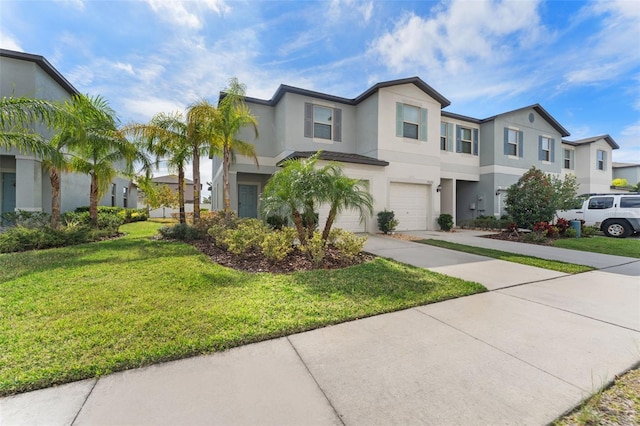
{"points": [[233, 115], [99, 150], [166, 136], [201, 129]]}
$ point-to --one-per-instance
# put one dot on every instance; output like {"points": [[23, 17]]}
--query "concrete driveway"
{"points": [[522, 354]]}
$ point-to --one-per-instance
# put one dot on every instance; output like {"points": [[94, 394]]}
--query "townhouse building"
{"points": [[24, 184], [416, 158]]}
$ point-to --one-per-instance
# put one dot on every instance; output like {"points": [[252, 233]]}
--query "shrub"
{"points": [[445, 220], [387, 221], [135, 215], [315, 249], [545, 229], [180, 231], [26, 219], [277, 245], [589, 231], [563, 225], [249, 233], [276, 221], [534, 237], [570, 233], [349, 244], [20, 238]]}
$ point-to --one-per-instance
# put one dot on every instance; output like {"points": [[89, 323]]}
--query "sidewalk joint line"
{"points": [[85, 400], [316, 381], [571, 312], [501, 350]]}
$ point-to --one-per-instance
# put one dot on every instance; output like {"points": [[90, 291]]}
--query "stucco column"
{"points": [[28, 184]]}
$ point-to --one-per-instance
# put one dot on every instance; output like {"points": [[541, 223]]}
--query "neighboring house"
{"points": [[628, 171], [416, 159], [172, 182], [24, 185]]}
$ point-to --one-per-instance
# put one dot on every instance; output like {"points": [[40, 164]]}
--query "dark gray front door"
{"points": [[8, 192], [248, 201]]}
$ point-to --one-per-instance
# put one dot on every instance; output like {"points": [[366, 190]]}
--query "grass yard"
{"points": [[84, 311], [629, 247], [553, 265]]}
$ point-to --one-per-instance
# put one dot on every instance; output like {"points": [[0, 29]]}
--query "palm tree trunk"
{"points": [[226, 160], [196, 185], [297, 220], [54, 177], [183, 219], [93, 200], [328, 224]]}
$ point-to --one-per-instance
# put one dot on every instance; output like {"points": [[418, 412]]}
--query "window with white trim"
{"points": [[465, 140], [545, 148], [601, 161], [566, 158], [512, 143], [322, 122], [411, 122], [444, 136]]}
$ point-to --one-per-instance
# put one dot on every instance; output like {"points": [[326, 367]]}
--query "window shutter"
{"points": [[604, 160], [423, 124], [337, 125], [308, 120], [506, 141], [399, 119], [458, 138], [450, 137], [572, 159], [552, 147], [520, 144], [540, 153], [475, 141]]}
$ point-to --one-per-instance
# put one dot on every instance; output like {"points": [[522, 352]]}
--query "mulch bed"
{"points": [[254, 261], [518, 238]]}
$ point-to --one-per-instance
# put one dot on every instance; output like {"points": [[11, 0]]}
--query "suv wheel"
{"points": [[617, 228]]}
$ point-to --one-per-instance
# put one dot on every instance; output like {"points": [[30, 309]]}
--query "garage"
{"points": [[409, 203]]}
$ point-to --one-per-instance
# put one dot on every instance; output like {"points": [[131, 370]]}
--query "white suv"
{"points": [[617, 215]]}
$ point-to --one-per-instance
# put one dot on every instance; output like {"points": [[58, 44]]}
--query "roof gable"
{"points": [[608, 139], [44, 65], [541, 111]]}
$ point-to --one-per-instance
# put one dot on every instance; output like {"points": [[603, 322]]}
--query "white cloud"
{"points": [[629, 141], [78, 4], [124, 67], [339, 8], [187, 14], [7, 41], [612, 49], [143, 108]]}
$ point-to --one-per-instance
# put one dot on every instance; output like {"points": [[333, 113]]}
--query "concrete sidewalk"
{"points": [[519, 355]]}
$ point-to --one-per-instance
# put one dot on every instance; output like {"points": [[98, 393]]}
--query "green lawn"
{"points": [[629, 247], [77, 312], [553, 265]]}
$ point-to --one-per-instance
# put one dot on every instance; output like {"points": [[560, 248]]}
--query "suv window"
{"points": [[630, 202], [600, 203]]}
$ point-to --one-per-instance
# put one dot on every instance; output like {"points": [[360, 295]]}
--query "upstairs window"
{"points": [[466, 140], [546, 148], [125, 196], [411, 122], [513, 142], [566, 157], [444, 136], [601, 160], [322, 122]]}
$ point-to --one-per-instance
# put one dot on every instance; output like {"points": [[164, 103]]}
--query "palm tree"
{"points": [[233, 115], [345, 193], [201, 129], [97, 146], [166, 136], [295, 191], [19, 118]]}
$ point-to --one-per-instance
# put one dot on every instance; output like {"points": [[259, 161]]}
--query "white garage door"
{"points": [[408, 201], [348, 220]]}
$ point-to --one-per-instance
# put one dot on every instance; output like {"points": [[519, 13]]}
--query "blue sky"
{"points": [[579, 60]]}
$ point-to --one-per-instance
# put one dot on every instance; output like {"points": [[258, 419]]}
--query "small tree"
{"points": [[536, 197]]}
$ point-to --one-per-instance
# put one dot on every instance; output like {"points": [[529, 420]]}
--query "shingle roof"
{"points": [[616, 165], [342, 157], [44, 64], [283, 89], [543, 112], [593, 139]]}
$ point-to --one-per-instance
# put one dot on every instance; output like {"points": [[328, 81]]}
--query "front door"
{"points": [[8, 201], [248, 201]]}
